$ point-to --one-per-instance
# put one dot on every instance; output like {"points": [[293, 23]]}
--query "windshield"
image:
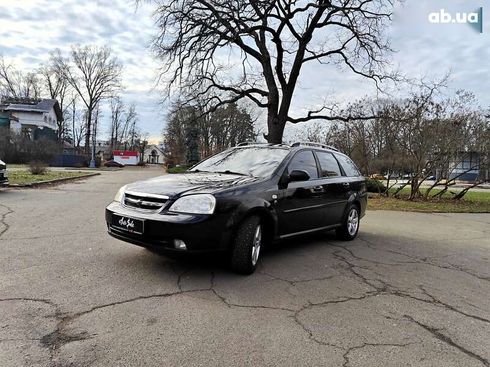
{"points": [[252, 161]]}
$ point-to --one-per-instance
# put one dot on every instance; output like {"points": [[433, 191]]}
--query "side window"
{"points": [[349, 167], [305, 161], [329, 166]]}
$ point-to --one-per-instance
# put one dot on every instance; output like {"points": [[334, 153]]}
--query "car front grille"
{"points": [[145, 201]]}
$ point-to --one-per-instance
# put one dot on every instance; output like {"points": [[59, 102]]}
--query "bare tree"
{"points": [[31, 87], [133, 130], [426, 134], [117, 112], [78, 119], [129, 131], [17, 84], [93, 73], [8, 79], [269, 43], [57, 86]]}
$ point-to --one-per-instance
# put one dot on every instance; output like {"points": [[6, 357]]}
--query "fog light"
{"points": [[180, 245]]}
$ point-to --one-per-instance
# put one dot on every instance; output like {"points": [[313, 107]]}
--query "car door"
{"points": [[300, 207], [353, 179], [335, 188]]}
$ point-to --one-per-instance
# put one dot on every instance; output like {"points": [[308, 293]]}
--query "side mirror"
{"points": [[298, 175]]}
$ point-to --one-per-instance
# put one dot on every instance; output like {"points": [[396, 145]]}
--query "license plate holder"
{"points": [[128, 224]]}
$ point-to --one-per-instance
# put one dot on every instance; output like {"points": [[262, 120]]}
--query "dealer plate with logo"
{"points": [[127, 224]]}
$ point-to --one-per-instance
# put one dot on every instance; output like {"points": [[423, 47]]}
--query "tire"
{"points": [[350, 226], [246, 247]]}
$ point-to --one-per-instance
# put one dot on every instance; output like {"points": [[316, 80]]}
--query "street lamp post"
{"points": [[92, 159]]}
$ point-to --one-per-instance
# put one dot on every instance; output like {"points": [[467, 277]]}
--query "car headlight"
{"points": [[195, 204], [120, 194]]}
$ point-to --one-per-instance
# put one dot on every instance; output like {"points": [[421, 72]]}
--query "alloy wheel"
{"points": [[257, 241], [352, 221]]}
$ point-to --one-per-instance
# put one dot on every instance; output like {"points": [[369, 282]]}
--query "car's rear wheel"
{"points": [[247, 245], [350, 226]]}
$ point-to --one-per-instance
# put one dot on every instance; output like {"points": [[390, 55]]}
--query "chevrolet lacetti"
{"points": [[240, 199]]}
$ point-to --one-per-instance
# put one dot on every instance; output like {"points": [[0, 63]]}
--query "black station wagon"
{"points": [[240, 199]]}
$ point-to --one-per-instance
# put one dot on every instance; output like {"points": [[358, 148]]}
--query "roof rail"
{"points": [[313, 144], [245, 143]]}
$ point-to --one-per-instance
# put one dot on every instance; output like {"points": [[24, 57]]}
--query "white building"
{"points": [[28, 116], [154, 154], [126, 157]]}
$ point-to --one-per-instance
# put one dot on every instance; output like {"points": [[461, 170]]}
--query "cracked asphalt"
{"points": [[412, 290]]}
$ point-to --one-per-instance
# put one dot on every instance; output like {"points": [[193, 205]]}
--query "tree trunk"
{"points": [[73, 123], [275, 129], [87, 133]]}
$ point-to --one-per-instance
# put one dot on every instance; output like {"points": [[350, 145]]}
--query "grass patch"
{"points": [[472, 202], [181, 169], [25, 177], [470, 195], [23, 166]]}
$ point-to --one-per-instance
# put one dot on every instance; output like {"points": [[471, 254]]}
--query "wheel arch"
{"points": [[266, 217], [357, 203], [353, 200]]}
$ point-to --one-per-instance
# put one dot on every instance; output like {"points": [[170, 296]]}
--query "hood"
{"points": [[189, 183]]}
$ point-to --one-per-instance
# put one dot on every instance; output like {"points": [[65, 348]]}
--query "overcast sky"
{"points": [[30, 29]]}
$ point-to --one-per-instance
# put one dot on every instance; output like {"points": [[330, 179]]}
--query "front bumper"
{"points": [[201, 233]]}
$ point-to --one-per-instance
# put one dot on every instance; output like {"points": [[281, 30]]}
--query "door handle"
{"points": [[346, 184], [318, 189]]}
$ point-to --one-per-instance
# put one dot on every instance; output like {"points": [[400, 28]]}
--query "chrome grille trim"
{"points": [[143, 201], [145, 195]]}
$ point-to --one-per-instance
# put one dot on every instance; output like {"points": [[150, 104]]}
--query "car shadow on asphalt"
{"points": [[218, 262]]}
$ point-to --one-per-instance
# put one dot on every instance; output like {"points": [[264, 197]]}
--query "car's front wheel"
{"points": [[247, 245], [350, 226]]}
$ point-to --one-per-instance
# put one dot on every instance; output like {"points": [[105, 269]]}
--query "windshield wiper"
{"points": [[198, 171], [228, 172]]}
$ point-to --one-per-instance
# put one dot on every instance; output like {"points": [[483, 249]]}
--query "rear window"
{"points": [[328, 165], [349, 167]]}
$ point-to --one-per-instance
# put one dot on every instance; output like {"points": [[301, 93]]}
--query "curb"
{"points": [[58, 180], [93, 169]]}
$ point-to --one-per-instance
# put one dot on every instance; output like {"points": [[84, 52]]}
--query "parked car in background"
{"points": [[4, 181], [113, 163], [241, 199]]}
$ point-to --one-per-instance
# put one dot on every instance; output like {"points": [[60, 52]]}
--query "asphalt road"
{"points": [[412, 290]]}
